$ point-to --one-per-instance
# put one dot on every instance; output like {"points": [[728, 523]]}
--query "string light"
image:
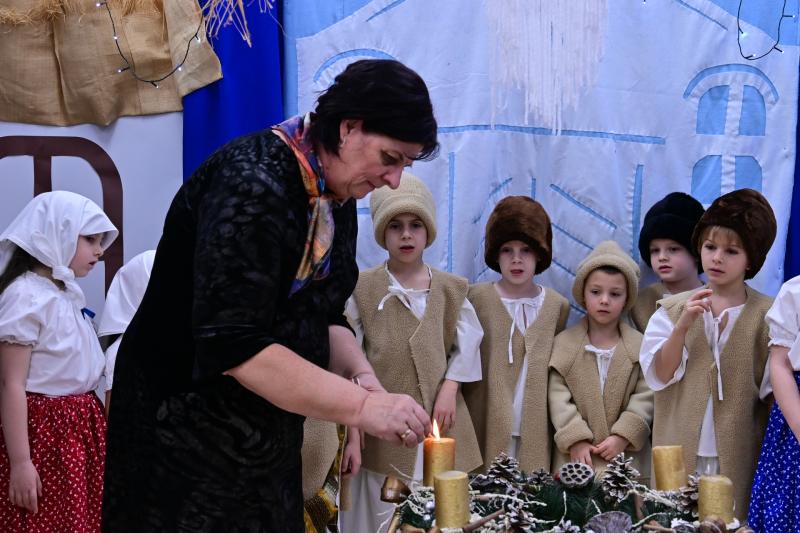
{"points": [[129, 67], [743, 34]]}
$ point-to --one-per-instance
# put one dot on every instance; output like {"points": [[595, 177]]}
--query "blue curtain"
{"points": [[249, 96]]}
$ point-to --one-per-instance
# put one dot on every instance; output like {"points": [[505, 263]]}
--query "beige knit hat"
{"points": [[412, 196], [607, 253]]}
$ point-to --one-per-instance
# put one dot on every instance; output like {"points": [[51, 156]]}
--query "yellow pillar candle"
{"points": [[716, 498], [669, 467], [439, 455], [451, 490]]}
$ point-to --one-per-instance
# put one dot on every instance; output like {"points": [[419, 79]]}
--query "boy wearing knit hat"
{"points": [[665, 246], [422, 337], [599, 402], [520, 318], [704, 353]]}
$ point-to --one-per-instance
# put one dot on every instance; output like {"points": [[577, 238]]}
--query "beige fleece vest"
{"points": [[645, 305], [625, 407], [491, 400], [410, 357], [740, 419]]}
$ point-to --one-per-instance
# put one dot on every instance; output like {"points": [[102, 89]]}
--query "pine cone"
{"points": [[538, 478], [505, 467], [567, 527], [520, 521], [619, 479], [575, 475], [688, 496]]}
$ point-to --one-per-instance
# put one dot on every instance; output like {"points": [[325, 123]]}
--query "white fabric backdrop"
{"points": [[672, 89]]}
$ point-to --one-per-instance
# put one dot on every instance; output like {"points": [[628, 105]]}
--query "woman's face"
{"points": [[365, 162]]}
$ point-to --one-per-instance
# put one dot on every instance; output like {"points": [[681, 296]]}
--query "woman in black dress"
{"points": [[244, 311]]}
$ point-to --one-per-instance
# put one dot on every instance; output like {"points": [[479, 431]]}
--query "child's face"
{"points": [[723, 256], [517, 263], [87, 254], [672, 261], [605, 295], [406, 237]]}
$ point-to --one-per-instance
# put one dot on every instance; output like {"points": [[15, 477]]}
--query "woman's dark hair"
{"points": [[20, 262], [390, 99]]}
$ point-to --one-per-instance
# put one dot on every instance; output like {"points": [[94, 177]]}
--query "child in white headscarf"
{"points": [[123, 299], [52, 450]]}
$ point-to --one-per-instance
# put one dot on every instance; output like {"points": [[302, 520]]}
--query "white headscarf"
{"points": [[125, 294], [48, 229]]}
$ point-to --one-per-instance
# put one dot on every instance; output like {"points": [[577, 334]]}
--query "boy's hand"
{"points": [[695, 305], [444, 409], [581, 452], [611, 446], [351, 457]]}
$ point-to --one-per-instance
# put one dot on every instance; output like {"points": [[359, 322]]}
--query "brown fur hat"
{"points": [[519, 218], [749, 214]]}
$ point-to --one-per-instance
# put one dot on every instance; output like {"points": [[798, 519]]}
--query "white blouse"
{"points": [[465, 358], [66, 357], [656, 334], [783, 320], [604, 357], [523, 312]]}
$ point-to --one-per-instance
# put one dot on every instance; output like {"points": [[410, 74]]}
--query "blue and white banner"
{"points": [[675, 106]]}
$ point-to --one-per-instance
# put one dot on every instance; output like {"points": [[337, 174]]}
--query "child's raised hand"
{"points": [[351, 457], [611, 446], [25, 486], [444, 409], [695, 305], [581, 452]]}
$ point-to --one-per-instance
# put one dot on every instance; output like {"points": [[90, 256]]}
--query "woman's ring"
{"points": [[405, 434]]}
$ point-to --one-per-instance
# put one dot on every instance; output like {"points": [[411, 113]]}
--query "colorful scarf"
{"points": [[315, 263]]}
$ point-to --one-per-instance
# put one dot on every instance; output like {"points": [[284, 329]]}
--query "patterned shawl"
{"points": [[315, 263]]}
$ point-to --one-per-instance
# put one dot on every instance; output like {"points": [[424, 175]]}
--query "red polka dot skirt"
{"points": [[67, 435]]}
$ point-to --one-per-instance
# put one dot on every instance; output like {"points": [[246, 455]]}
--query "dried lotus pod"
{"points": [[575, 474], [610, 522]]}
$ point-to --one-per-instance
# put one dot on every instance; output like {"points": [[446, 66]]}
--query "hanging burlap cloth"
{"points": [[58, 59]]}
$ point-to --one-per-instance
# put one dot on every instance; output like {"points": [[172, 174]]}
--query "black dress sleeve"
{"points": [[240, 265]]}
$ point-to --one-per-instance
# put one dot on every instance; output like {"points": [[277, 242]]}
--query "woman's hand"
{"points": [[444, 409], [25, 487], [611, 446], [351, 457], [695, 306], [395, 418], [581, 452]]}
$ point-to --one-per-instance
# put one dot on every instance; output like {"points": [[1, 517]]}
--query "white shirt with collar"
{"points": [[656, 334], [523, 312], [464, 359], [66, 357]]}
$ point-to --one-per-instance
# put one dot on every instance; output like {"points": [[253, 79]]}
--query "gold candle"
{"points": [[439, 455], [716, 498], [669, 467], [451, 490]]}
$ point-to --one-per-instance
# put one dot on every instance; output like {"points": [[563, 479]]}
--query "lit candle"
{"points": [[669, 467], [451, 490], [716, 498], [439, 456]]}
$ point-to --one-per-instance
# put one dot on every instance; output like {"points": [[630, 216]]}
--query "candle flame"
{"points": [[436, 430]]}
